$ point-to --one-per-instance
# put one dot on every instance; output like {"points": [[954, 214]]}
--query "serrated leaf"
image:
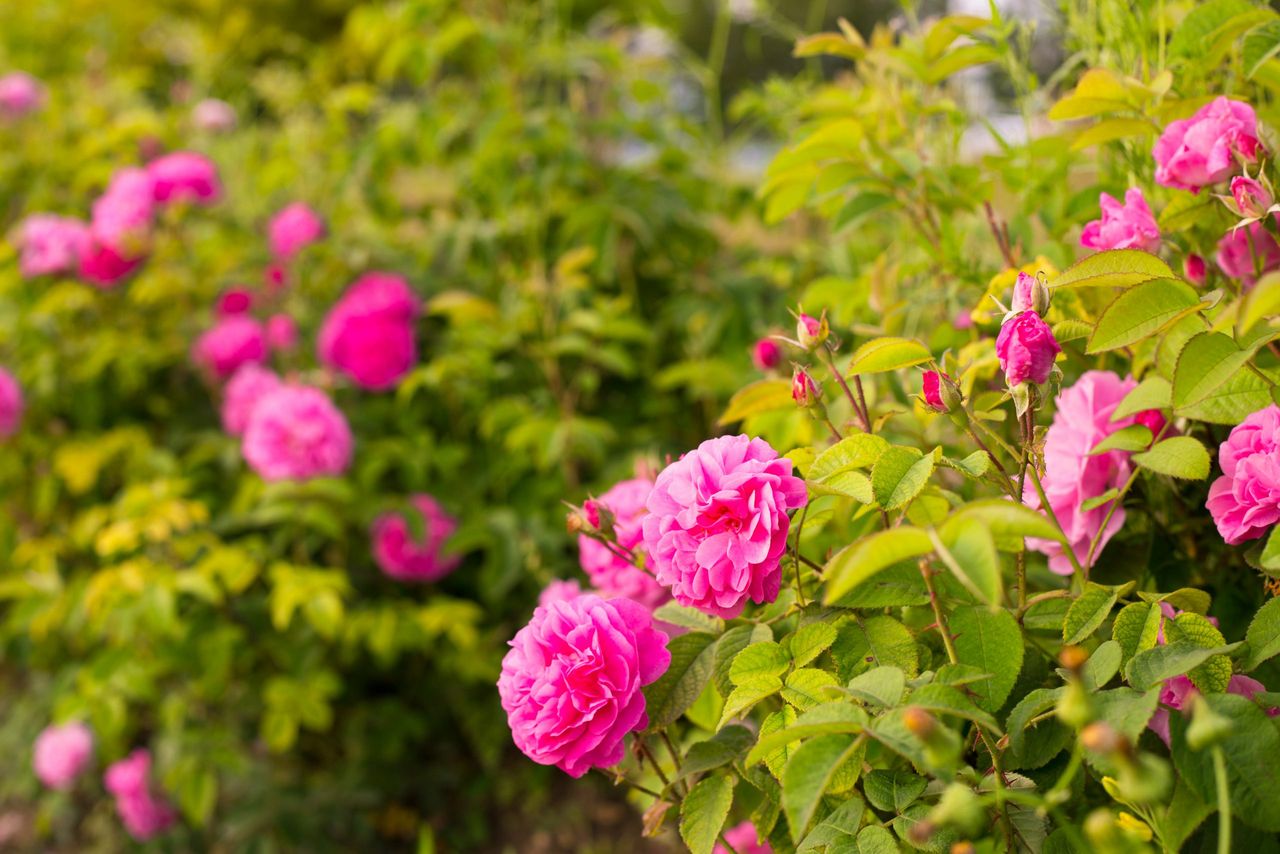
{"points": [[1128, 712], [834, 834], [1070, 330], [674, 691], [1231, 402], [945, 699], [810, 641], [1207, 361], [807, 687], [1215, 673], [898, 586], [722, 748], [1184, 599], [1260, 302], [760, 396], [1151, 393], [704, 811], [1099, 500], [1114, 268], [1186, 210], [808, 774], [881, 685], [885, 354], [759, 659], [1263, 635], [1087, 613], [1033, 746], [874, 839], [1179, 456], [969, 552], [1102, 666], [746, 695], [852, 452], [874, 641], [776, 758], [1153, 666], [991, 642], [965, 56], [899, 475], [1135, 437], [1208, 24], [732, 642], [1141, 311], [1136, 628], [1261, 44], [688, 618], [859, 562], [1007, 519], [826, 719], [893, 791], [1110, 130]]}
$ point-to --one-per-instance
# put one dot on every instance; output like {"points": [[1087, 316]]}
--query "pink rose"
{"points": [[282, 333], [294, 227], [558, 591], [104, 267], [766, 354], [811, 331], [213, 116], [1251, 197], [1245, 501], [1202, 150], [11, 404], [931, 388], [51, 244], [403, 556], [61, 753], [20, 94], [369, 333], [249, 384], [184, 176], [234, 301], [123, 214], [804, 391], [143, 813], [1024, 290], [612, 574], [717, 524], [295, 433], [743, 838], [1072, 476], [1127, 226], [571, 682], [962, 320], [1193, 268], [233, 341], [1026, 349], [1248, 252]]}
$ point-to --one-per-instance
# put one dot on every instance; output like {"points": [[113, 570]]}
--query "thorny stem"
{"points": [[1028, 443], [643, 747], [1038, 598], [832, 427], [1001, 235], [862, 399], [675, 757], [861, 411], [637, 786]]}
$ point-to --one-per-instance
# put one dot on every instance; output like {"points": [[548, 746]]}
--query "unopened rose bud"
{"points": [[1073, 657], [921, 832], [1029, 294], [1251, 197], [961, 808], [1026, 349], [591, 512], [919, 722], [964, 847], [573, 522], [804, 391], [1207, 726], [811, 332], [1075, 708], [766, 354], [1101, 737], [1193, 268], [931, 389]]}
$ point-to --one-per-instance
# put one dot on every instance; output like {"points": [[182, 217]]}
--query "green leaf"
{"points": [[1142, 311], [893, 791], [1135, 437], [810, 641], [1179, 456], [852, 452], [722, 748], [899, 586], [1032, 746], [969, 551], [1088, 612], [899, 475], [732, 642], [1230, 403], [688, 618], [857, 563], [746, 695], [859, 206], [1185, 211], [1207, 361], [1261, 44], [1249, 751], [885, 354], [692, 660], [1263, 635], [1136, 628], [874, 641], [760, 396], [1184, 814], [947, 700], [808, 774], [1098, 500], [776, 758], [1109, 130], [959, 59], [834, 834], [1151, 393], [1215, 673], [1259, 303], [1102, 665], [703, 813], [759, 659], [1184, 599], [874, 839], [991, 642], [1153, 666], [1269, 559], [1005, 520], [1115, 268], [826, 719], [1209, 24], [1128, 711], [881, 685], [808, 687]]}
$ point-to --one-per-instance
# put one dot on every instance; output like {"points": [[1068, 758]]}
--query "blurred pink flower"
{"points": [[1245, 253], [1202, 150], [143, 813], [234, 340], [123, 214], [104, 267], [20, 94], [1245, 500], [51, 244], [11, 404], [213, 116], [766, 354], [369, 333], [717, 524], [1026, 349], [294, 227], [61, 753], [743, 837], [1123, 226], [558, 591], [1251, 197], [1193, 268], [249, 384], [236, 300], [282, 333], [296, 433], [571, 682], [610, 573], [403, 556], [184, 176]]}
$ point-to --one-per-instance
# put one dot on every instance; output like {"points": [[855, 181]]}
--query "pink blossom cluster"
{"points": [[368, 334], [144, 813], [1025, 346], [62, 753], [404, 556]]}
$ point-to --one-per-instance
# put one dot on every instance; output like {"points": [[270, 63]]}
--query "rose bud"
{"points": [[804, 391], [1251, 197], [931, 388], [811, 332], [1101, 737], [919, 722], [1193, 268], [766, 354], [1026, 349]]}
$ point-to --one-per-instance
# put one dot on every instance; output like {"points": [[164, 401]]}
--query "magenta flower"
{"points": [[1193, 268], [1026, 349], [1072, 476], [20, 94], [1177, 692], [11, 404], [1203, 150], [804, 391], [250, 383], [184, 176], [61, 753], [717, 524], [233, 341], [51, 244], [811, 331], [403, 556], [743, 838], [293, 228], [1248, 252], [612, 574], [237, 300], [104, 267], [1245, 501], [1023, 294], [1123, 226], [143, 813], [766, 354], [559, 590], [369, 333], [296, 433], [931, 389], [213, 116], [282, 333], [1251, 197], [571, 682], [123, 214]]}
